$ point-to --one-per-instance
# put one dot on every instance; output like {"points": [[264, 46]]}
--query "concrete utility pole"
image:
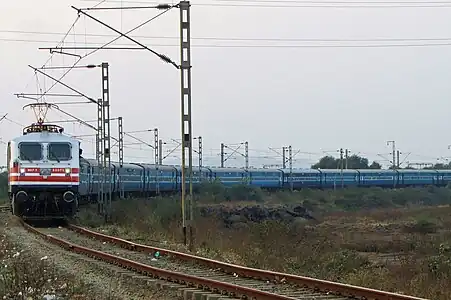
{"points": [[121, 155], [346, 158], [290, 163], [393, 153], [341, 166], [104, 145], [199, 153]]}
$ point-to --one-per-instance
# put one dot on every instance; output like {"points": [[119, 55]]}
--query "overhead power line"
{"points": [[212, 38], [93, 50], [96, 46], [307, 4], [336, 2]]}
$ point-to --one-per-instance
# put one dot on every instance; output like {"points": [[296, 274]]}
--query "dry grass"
{"points": [[400, 250], [25, 276]]}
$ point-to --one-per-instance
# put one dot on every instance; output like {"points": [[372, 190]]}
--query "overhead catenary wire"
{"points": [[121, 46], [101, 47], [58, 44], [305, 4], [71, 28], [246, 39]]}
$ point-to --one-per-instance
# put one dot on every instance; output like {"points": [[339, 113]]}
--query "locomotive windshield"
{"points": [[59, 151], [30, 151]]}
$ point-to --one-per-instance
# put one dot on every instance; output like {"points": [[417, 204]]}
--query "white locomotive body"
{"points": [[43, 167]]}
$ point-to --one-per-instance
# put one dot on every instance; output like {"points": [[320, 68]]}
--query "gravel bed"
{"points": [[176, 265], [104, 280]]}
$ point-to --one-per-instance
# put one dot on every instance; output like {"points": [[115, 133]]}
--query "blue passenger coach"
{"points": [[378, 178], [229, 176], [444, 176], [265, 178], [301, 178], [417, 177], [335, 178]]}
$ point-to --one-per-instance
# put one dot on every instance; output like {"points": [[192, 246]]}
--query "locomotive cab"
{"points": [[43, 173]]}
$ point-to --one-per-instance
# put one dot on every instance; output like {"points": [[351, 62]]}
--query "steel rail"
{"points": [[4, 208], [329, 287], [189, 280]]}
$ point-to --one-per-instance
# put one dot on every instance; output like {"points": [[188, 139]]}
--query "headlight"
{"points": [[67, 170], [22, 170]]}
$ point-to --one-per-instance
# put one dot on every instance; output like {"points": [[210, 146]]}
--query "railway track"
{"points": [[4, 208], [202, 273]]}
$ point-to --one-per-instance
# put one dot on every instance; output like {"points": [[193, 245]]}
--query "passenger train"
{"points": [[48, 177], [135, 178]]}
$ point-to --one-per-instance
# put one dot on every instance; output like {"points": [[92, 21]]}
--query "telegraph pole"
{"points": [[284, 161], [199, 153], [346, 158], [290, 159], [341, 166], [288, 149], [156, 146], [103, 146], [222, 155], [160, 148], [246, 155], [393, 153], [121, 155], [106, 133], [185, 78]]}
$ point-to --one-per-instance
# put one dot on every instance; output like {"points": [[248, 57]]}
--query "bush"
{"points": [[440, 264], [23, 276], [216, 192], [422, 226]]}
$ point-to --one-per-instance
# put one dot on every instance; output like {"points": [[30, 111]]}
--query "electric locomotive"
{"points": [[43, 173]]}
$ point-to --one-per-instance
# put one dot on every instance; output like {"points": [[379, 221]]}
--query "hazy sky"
{"points": [[316, 99]]}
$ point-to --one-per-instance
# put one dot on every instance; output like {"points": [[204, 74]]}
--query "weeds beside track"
{"points": [[207, 274]]}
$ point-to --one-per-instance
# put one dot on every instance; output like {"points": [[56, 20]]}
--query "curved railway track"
{"points": [[202, 273]]}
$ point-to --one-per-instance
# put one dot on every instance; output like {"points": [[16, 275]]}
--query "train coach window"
{"points": [[59, 151], [30, 151]]}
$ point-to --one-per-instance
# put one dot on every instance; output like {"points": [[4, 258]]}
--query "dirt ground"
{"points": [[404, 250], [35, 269]]}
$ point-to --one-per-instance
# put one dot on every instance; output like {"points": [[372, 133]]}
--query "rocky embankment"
{"points": [[239, 216]]}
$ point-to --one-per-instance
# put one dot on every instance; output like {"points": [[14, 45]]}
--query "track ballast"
{"points": [[202, 273]]}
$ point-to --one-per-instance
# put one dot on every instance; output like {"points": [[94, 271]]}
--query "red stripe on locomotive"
{"points": [[37, 170], [67, 179]]}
